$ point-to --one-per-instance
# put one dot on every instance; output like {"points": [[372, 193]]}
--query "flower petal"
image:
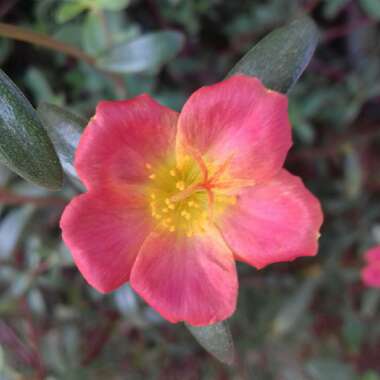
{"points": [[371, 275], [187, 279], [373, 255], [104, 233], [273, 222], [237, 120], [122, 138]]}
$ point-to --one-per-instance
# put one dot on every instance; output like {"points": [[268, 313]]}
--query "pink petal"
{"points": [[371, 275], [273, 222], [373, 254], [187, 279], [238, 120], [104, 233], [122, 138]]}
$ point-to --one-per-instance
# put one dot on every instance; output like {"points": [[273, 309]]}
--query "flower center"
{"points": [[181, 198]]}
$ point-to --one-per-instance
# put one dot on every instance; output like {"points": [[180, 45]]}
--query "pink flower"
{"points": [[174, 199], [371, 273]]}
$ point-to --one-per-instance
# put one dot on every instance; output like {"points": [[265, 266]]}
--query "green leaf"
{"points": [[67, 11], [94, 38], [64, 130], [24, 145], [295, 307], [371, 8], [279, 59], [12, 227], [147, 53], [216, 339], [370, 375], [323, 369], [331, 8], [113, 5]]}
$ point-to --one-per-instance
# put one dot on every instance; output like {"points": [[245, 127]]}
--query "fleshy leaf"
{"points": [[292, 311], [279, 59], [147, 53], [11, 229], [64, 130], [114, 5], [24, 145], [94, 38], [70, 10], [371, 8], [216, 339]]}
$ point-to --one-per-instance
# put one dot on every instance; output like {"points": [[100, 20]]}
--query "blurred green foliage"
{"points": [[308, 320]]}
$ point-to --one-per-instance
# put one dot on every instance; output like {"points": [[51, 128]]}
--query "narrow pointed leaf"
{"points": [[64, 129], [217, 340], [144, 54], [294, 308], [24, 145], [280, 58], [12, 227]]}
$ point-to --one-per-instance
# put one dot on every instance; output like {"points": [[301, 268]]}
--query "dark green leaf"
{"points": [[24, 144], [295, 307], [371, 7], [11, 229], [64, 130], [331, 8], [144, 54], [280, 58], [216, 339], [323, 369]]}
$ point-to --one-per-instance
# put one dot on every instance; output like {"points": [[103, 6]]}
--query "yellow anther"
{"points": [[172, 229], [186, 215], [148, 166], [152, 176], [165, 210], [153, 196], [191, 204], [172, 173], [171, 206], [167, 201], [180, 185]]}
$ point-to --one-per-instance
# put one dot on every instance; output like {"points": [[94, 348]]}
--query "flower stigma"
{"points": [[182, 196]]}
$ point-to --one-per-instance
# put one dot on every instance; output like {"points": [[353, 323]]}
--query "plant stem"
{"points": [[39, 39]]}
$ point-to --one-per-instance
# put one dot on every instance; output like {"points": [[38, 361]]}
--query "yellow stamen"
{"points": [[152, 176], [180, 185]]}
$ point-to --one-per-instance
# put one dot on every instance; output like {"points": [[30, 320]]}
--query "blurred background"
{"points": [[312, 319]]}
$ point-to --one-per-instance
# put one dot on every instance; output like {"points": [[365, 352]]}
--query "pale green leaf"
{"points": [[216, 339]]}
